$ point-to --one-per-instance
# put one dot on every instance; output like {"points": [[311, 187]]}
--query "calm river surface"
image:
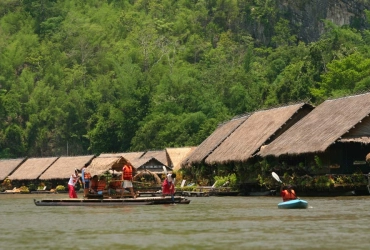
{"points": [[206, 223]]}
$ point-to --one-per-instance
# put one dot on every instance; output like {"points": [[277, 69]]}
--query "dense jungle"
{"points": [[92, 76]]}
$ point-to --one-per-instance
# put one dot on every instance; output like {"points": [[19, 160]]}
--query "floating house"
{"points": [[259, 128], [335, 137], [241, 138]]}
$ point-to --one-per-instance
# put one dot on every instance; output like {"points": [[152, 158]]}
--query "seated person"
{"points": [[287, 193], [115, 185], [94, 184], [102, 184]]}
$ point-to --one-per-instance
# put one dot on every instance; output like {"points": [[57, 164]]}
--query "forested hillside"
{"points": [[92, 76]]}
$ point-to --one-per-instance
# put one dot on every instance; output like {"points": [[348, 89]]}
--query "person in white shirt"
{"points": [[72, 183]]}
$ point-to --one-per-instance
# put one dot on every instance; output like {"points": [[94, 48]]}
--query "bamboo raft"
{"points": [[112, 202]]}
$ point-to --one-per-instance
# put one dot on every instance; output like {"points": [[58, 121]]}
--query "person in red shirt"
{"points": [[287, 193]]}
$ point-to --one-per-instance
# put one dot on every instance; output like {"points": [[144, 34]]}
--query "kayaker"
{"points": [[287, 193]]}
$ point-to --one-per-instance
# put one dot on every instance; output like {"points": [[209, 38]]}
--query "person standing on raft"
{"points": [[85, 176], [168, 185], [127, 179], [72, 184]]}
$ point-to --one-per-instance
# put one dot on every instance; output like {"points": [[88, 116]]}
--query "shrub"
{"points": [[60, 188]]}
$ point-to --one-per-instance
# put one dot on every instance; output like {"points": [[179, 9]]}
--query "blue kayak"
{"points": [[293, 204]]}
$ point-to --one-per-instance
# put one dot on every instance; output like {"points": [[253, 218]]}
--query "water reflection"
{"points": [[206, 223]]}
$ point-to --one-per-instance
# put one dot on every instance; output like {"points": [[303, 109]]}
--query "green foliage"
{"points": [[60, 188], [229, 180], [24, 189], [80, 77]]}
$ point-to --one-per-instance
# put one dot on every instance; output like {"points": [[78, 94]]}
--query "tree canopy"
{"points": [[79, 77]]}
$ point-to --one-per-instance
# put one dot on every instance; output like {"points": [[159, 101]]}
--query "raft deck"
{"points": [[112, 202]]}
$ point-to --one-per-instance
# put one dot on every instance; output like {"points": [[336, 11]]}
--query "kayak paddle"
{"points": [[276, 177]]}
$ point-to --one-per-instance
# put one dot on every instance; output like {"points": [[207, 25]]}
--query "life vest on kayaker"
{"points": [[127, 172], [288, 195]]}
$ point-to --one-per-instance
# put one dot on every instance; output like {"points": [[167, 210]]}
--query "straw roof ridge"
{"points": [[212, 142], [328, 122], [9, 166], [64, 166], [33, 168], [259, 128], [159, 155], [280, 105], [357, 93], [177, 155], [100, 165]]}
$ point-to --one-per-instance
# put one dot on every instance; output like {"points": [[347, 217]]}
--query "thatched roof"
{"points": [[259, 128], [362, 139], [32, 168], [327, 123], [160, 155], [7, 166], [127, 155], [138, 159], [147, 172], [65, 166], [130, 156], [213, 141], [100, 165], [175, 156], [144, 161]]}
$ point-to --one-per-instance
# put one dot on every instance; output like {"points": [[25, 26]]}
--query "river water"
{"points": [[205, 223]]}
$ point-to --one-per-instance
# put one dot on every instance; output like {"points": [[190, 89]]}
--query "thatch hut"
{"points": [[337, 131], [175, 156], [8, 166], [131, 156], [150, 163], [212, 142], [64, 167], [260, 128], [32, 168], [101, 164], [159, 155]]}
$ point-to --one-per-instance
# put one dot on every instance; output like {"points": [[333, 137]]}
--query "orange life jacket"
{"points": [[94, 185], [87, 175], [287, 196], [127, 172], [101, 185]]}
